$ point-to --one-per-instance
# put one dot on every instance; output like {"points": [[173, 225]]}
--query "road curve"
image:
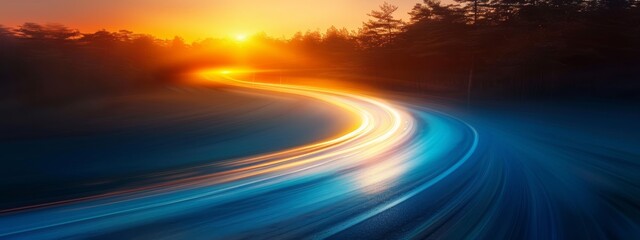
{"points": [[395, 160]]}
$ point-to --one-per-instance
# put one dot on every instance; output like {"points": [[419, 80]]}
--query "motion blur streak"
{"points": [[392, 155]]}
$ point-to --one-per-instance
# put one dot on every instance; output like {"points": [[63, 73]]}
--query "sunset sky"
{"points": [[195, 19]]}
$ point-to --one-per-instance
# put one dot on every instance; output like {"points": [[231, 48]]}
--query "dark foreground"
{"points": [[517, 171]]}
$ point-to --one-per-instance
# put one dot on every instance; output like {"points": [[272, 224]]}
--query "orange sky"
{"points": [[195, 19]]}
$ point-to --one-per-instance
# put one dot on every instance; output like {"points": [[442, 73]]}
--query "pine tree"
{"points": [[381, 30], [475, 9]]}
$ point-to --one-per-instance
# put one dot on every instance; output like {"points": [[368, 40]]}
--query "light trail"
{"points": [[384, 160], [381, 126]]}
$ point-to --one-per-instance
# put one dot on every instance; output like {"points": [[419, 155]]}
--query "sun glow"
{"points": [[241, 37]]}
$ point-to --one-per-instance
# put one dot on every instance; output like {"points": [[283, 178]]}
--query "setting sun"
{"points": [[241, 37], [333, 119]]}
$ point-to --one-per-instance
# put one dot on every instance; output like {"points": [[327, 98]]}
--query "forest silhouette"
{"points": [[478, 49]]}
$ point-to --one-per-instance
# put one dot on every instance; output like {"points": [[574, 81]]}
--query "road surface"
{"points": [[400, 170]]}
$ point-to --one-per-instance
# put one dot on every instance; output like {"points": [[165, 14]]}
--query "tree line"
{"points": [[509, 48], [470, 49]]}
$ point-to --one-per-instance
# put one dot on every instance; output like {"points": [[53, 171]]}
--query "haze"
{"points": [[195, 19]]}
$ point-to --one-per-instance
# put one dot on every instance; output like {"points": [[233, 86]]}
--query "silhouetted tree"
{"points": [[312, 38], [338, 39], [380, 30], [493, 47], [475, 9], [51, 31], [178, 43], [434, 11], [102, 38], [309, 41], [125, 35]]}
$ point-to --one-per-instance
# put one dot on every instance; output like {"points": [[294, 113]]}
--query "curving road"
{"points": [[401, 171]]}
